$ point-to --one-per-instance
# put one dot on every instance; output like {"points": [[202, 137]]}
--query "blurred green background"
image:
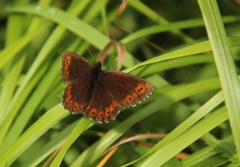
{"points": [[168, 43]]}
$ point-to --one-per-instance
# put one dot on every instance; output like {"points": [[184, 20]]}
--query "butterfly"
{"points": [[99, 94]]}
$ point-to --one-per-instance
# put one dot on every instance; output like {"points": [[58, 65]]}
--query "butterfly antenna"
{"points": [[90, 52]]}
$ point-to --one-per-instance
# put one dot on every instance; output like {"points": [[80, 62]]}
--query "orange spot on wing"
{"points": [[114, 104], [70, 103], [93, 112], [81, 106], [134, 94], [107, 111], [68, 97], [75, 106], [128, 99], [69, 93], [111, 108], [67, 60], [66, 73], [141, 88], [101, 114]]}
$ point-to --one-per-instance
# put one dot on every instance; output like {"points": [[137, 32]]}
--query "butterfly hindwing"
{"points": [[74, 97], [102, 107]]}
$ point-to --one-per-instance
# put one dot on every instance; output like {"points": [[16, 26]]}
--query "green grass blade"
{"points": [[82, 125], [74, 24], [194, 133], [225, 65], [32, 134], [12, 49]]}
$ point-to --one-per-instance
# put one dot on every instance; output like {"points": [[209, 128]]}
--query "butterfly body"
{"points": [[95, 74], [98, 93]]}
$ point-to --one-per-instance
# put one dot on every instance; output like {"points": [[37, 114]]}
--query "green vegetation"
{"points": [[189, 51]]}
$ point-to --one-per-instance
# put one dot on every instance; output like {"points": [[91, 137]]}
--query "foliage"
{"points": [[193, 71]]}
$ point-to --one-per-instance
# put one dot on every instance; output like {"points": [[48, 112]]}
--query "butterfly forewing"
{"points": [[128, 90], [74, 66]]}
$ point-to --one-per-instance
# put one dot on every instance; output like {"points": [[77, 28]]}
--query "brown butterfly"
{"points": [[98, 93]]}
